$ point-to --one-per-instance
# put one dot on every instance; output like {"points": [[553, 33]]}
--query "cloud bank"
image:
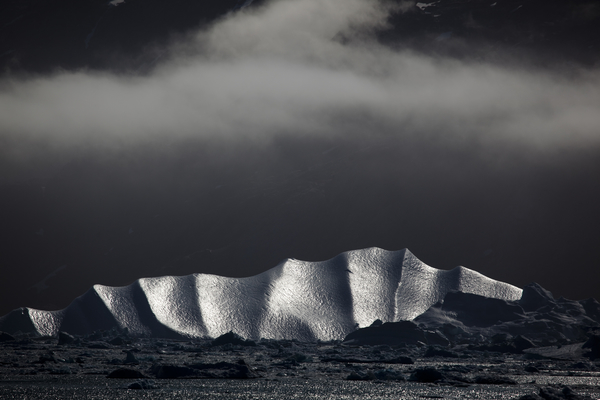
{"points": [[301, 68]]}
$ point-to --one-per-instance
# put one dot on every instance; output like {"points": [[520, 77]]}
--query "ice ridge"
{"points": [[300, 300]]}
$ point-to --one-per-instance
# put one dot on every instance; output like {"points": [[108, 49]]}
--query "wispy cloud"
{"points": [[299, 67]]}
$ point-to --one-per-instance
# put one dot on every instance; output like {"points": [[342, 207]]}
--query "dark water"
{"points": [[95, 387], [43, 369]]}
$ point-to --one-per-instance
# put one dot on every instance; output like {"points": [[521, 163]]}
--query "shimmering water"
{"points": [[95, 387]]}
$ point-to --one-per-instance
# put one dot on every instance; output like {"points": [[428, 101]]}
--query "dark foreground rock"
{"points": [[427, 375], [5, 337], [220, 370], [64, 338], [125, 373], [233, 339], [593, 347], [390, 333], [435, 351], [494, 380]]}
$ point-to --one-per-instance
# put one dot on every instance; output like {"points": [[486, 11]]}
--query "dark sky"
{"points": [[288, 131]]}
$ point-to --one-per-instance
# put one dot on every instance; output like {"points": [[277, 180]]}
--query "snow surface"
{"points": [[294, 300]]}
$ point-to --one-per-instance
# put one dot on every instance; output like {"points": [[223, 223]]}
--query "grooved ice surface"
{"points": [[295, 300]]}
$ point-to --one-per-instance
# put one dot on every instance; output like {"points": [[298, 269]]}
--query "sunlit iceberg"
{"points": [[296, 299]]}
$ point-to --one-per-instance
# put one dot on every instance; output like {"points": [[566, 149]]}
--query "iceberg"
{"points": [[300, 300]]}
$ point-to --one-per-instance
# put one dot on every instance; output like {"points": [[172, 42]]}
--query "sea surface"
{"points": [[97, 387]]}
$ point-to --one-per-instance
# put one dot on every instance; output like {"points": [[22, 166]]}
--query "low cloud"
{"points": [[301, 68]]}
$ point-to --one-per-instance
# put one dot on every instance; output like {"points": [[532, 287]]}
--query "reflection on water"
{"points": [[84, 387]]}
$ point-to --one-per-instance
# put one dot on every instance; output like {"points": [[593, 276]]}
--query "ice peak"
{"points": [[295, 300]]}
